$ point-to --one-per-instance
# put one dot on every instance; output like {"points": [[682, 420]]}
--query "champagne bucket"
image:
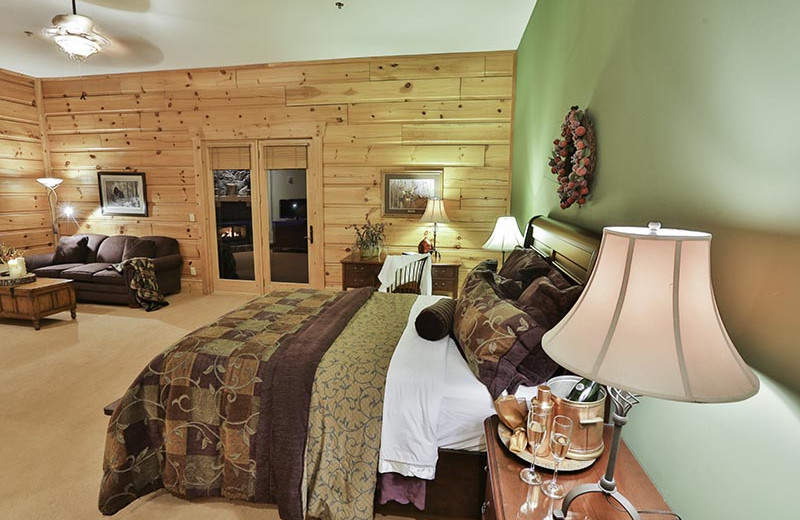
{"points": [[587, 418]]}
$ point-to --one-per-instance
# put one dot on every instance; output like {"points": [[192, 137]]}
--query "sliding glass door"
{"points": [[263, 215]]}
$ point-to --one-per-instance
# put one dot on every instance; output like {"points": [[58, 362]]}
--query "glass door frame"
{"points": [[224, 284], [259, 186], [316, 275]]}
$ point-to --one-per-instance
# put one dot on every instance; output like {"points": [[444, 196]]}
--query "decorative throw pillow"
{"points": [[488, 264], [139, 248], [511, 289], [524, 265], [436, 321], [551, 301], [500, 341], [558, 279], [72, 250]]}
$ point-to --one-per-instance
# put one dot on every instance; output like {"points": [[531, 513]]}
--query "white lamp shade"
{"points": [[49, 182], [647, 321], [506, 235], [434, 212]]}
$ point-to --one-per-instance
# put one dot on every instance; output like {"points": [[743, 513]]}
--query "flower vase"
{"points": [[370, 252]]}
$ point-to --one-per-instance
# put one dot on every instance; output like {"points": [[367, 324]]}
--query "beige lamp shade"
{"points": [[505, 236], [434, 212], [647, 321]]}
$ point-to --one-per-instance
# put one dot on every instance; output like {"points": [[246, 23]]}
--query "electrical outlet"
{"points": [[191, 217], [193, 271]]}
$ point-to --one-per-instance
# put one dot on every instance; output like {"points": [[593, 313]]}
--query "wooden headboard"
{"points": [[570, 248]]}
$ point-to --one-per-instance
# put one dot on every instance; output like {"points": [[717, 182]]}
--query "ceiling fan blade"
{"points": [[129, 50], [134, 6]]}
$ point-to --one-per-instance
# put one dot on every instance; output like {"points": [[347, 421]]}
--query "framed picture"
{"points": [[407, 192], [122, 193]]}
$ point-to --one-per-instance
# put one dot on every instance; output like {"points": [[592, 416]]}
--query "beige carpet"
{"points": [[53, 386]]}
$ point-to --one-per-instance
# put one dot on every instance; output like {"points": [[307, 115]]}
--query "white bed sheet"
{"points": [[432, 400], [465, 405]]}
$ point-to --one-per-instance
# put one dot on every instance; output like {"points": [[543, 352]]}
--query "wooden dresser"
{"points": [[358, 272], [505, 492]]}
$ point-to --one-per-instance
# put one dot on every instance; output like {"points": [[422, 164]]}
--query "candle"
{"points": [[16, 267]]}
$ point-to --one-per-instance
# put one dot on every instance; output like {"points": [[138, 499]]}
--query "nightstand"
{"points": [[358, 272], [505, 492]]}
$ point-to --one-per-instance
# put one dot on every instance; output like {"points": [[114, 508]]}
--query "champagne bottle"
{"points": [[584, 391], [545, 402]]}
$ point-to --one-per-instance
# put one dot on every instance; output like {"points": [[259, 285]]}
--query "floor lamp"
{"points": [[434, 212], [647, 324], [51, 183]]}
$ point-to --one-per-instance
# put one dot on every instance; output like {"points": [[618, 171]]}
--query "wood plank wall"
{"points": [[451, 112], [24, 213]]}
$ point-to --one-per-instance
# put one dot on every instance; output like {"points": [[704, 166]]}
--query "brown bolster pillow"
{"points": [[436, 321]]}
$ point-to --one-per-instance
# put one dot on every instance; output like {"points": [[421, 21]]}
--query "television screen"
{"points": [[292, 208]]}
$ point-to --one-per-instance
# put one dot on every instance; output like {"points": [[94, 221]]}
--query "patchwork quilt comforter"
{"points": [[279, 401]]}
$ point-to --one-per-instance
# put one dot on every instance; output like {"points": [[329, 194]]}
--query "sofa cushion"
{"points": [[53, 271], [164, 245], [112, 248], [83, 273], [94, 244], [139, 248], [109, 277], [71, 250]]}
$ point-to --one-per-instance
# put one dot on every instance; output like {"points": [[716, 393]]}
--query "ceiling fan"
{"points": [[75, 34]]}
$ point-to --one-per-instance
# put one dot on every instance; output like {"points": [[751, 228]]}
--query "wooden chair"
{"points": [[408, 278]]}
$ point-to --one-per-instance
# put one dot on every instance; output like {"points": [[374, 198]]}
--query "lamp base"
{"points": [[595, 488], [623, 401]]}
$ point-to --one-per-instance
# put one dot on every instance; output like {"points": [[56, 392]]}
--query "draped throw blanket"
{"points": [[224, 411], [144, 283], [344, 424]]}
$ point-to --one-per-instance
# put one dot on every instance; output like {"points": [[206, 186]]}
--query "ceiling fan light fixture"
{"points": [[75, 35]]}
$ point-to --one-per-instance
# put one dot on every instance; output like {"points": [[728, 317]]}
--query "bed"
{"points": [[298, 397]]}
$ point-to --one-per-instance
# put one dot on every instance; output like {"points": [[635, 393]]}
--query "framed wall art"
{"points": [[406, 193], [122, 193]]}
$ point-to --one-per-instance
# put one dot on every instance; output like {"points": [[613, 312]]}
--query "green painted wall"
{"points": [[697, 108]]}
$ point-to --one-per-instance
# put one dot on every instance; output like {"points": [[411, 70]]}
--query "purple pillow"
{"points": [[524, 265], [551, 301]]}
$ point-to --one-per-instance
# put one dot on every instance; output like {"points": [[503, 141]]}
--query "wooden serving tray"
{"points": [[7, 281]]}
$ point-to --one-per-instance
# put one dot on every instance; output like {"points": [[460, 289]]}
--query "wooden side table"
{"points": [[33, 301], [505, 492], [358, 272]]}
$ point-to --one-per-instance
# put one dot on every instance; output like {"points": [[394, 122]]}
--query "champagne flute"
{"points": [[537, 426], [560, 439]]}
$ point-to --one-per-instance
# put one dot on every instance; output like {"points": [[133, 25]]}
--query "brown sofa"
{"points": [[87, 262]]}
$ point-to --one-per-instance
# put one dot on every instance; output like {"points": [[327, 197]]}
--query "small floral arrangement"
{"points": [[7, 253], [369, 236], [574, 157]]}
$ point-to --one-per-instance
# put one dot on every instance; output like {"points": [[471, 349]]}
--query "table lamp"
{"points": [[647, 324], [51, 183], [505, 236], [434, 212]]}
